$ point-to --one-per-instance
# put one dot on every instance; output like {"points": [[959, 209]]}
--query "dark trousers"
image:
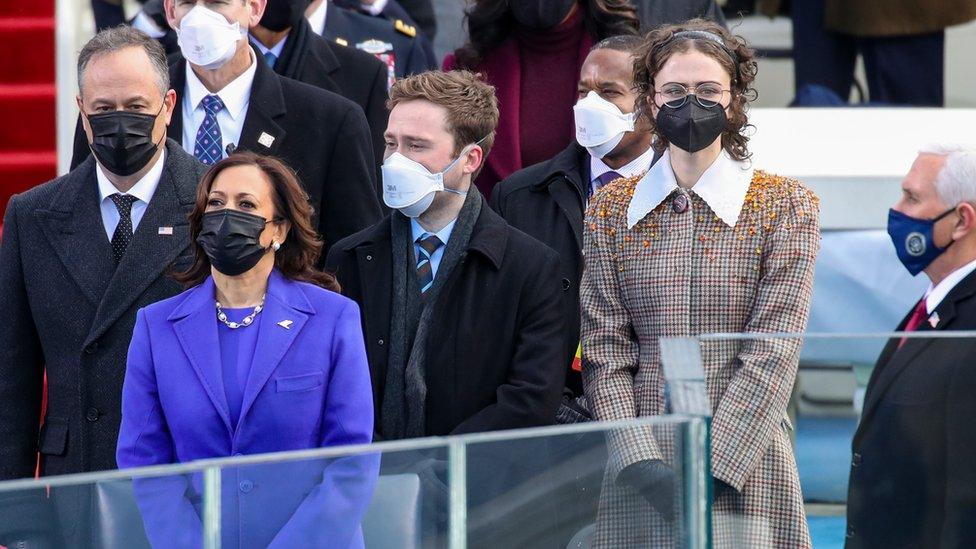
{"points": [[901, 70]]}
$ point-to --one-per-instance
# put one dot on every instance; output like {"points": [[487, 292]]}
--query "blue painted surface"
{"points": [[827, 532], [823, 457]]}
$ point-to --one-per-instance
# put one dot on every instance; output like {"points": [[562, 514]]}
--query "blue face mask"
{"points": [[914, 241]]}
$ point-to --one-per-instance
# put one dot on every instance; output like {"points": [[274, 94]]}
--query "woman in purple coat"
{"points": [[260, 354]]}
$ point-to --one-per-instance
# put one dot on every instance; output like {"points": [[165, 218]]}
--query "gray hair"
{"points": [[956, 182], [122, 37]]}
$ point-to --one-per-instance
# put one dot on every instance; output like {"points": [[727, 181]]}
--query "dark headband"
{"points": [[709, 36]]}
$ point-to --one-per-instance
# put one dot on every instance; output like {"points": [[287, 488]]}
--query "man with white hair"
{"points": [[913, 469]]}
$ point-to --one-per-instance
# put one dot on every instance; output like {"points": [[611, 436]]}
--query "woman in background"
{"points": [[531, 51]]}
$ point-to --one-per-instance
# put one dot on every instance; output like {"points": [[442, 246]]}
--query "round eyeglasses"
{"points": [[707, 95]]}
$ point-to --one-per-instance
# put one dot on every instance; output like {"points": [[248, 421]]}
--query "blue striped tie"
{"points": [[427, 245], [209, 144]]}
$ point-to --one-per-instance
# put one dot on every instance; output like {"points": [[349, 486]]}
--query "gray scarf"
{"points": [[405, 393]]}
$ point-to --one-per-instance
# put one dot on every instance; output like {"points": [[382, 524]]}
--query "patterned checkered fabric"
{"points": [[427, 244], [123, 231], [687, 273], [209, 145]]}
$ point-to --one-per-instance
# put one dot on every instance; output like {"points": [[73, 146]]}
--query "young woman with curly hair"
{"points": [[702, 243]]}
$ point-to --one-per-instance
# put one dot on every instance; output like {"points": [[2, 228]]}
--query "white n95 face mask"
{"points": [[410, 187], [207, 39], [600, 125]]}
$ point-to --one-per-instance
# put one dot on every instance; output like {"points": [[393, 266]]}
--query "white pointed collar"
{"points": [[723, 187]]}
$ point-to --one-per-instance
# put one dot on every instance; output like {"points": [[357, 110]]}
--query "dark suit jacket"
{"points": [[410, 56], [496, 359], [351, 73], [65, 308], [913, 472], [546, 201], [320, 135]]}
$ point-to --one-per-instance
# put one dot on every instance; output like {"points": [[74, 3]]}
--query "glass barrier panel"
{"points": [[841, 438], [111, 510], [607, 485]]}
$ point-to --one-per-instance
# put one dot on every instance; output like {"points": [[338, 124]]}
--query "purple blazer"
{"points": [[308, 387]]}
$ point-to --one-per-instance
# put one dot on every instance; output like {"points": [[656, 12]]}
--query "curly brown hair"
{"points": [[298, 254], [661, 43]]}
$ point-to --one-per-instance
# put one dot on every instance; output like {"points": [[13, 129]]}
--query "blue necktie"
{"points": [[209, 144], [604, 179], [428, 244], [270, 58]]}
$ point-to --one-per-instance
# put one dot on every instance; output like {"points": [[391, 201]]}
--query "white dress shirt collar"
{"points": [[935, 294], [142, 190], [636, 166], [723, 187], [444, 234], [235, 94], [275, 50], [317, 18]]}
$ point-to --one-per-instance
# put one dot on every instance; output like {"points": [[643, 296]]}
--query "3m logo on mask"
{"points": [[915, 244]]}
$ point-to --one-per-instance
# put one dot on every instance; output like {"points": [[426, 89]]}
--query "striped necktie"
{"points": [[427, 244]]}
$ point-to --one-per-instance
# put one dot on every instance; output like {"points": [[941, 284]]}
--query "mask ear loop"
{"points": [[451, 165]]}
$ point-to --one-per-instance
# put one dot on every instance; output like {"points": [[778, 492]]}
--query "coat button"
{"points": [[246, 486], [92, 415], [91, 348], [856, 460], [680, 203], [381, 342], [369, 258], [566, 284]]}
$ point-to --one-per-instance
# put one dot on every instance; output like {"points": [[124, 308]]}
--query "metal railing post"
{"points": [[211, 508], [458, 479]]}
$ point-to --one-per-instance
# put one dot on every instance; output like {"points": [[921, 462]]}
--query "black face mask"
{"points": [[540, 14], [232, 240], [280, 15], [691, 127], [122, 141]]}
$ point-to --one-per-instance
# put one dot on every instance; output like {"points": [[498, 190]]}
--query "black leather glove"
{"points": [[655, 481], [719, 487]]}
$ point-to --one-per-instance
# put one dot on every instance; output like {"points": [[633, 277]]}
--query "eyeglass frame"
{"points": [[690, 93]]}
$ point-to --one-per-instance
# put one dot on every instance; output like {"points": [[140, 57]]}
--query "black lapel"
{"points": [[73, 226], [149, 253], [177, 81], [566, 186], [261, 133], [893, 360]]}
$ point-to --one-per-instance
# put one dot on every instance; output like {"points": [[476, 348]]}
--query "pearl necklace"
{"points": [[247, 321]]}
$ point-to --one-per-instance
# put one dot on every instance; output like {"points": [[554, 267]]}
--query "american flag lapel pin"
{"points": [[165, 230], [934, 320]]}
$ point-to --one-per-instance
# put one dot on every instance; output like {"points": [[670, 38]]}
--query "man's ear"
{"points": [[473, 159], [967, 220], [84, 119], [169, 8]]}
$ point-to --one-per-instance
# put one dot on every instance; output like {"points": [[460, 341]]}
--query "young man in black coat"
{"points": [[290, 46], [913, 469], [461, 312], [321, 135], [548, 200], [79, 256], [474, 322]]}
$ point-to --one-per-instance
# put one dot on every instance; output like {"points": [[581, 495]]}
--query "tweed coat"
{"points": [[681, 274]]}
